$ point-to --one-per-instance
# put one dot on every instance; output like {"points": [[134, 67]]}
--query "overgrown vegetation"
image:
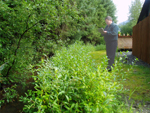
{"points": [[31, 30], [71, 82]]}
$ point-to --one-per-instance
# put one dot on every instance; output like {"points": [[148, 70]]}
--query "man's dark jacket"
{"points": [[112, 32]]}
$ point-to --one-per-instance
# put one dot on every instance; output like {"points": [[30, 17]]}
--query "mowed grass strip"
{"points": [[136, 82], [98, 56]]}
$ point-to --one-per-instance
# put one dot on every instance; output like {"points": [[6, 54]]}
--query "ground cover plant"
{"points": [[72, 82]]}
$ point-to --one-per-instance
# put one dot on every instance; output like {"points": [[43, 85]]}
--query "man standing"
{"points": [[110, 36]]}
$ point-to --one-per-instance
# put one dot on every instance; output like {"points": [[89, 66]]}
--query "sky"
{"points": [[123, 9]]}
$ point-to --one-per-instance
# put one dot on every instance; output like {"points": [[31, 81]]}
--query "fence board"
{"points": [[138, 41], [145, 39], [148, 40], [133, 40]]}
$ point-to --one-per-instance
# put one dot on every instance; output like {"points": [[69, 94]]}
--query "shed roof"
{"points": [[145, 11]]}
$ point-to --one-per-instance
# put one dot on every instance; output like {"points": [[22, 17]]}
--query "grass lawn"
{"points": [[136, 82]]}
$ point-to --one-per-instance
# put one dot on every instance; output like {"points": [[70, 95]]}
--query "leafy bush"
{"points": [[28, 31], [33, 29], [70, 82], [9, 95]]}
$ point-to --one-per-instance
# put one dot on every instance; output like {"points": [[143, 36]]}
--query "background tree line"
{"points": [[134, 12], [31, 29]]}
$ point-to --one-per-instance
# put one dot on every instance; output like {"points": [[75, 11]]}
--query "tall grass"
{"points": [[70, 82]]}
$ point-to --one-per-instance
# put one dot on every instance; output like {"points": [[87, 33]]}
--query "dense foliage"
{"points": [[70, 82], [31, 29], [134, 12]]}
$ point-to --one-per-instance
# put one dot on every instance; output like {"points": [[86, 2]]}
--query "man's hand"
{"points": [[104, 32]]}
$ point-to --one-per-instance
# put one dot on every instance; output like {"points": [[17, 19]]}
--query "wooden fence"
{"points": [[141, 40]]}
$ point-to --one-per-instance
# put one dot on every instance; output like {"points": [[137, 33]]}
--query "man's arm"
{"points": [[114, 31], [104, 32]]}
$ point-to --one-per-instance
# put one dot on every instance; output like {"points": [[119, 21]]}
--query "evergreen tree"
{"points": [[94, 13], [134, 12]]}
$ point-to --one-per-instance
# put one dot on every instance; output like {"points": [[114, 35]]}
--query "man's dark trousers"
{"points": [[111, 47]]}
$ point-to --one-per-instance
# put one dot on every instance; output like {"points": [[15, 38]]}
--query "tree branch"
{"points": [[18, 45]]}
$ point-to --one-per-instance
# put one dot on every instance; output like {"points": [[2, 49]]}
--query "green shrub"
{"points": [[70, 82], [9, 95], [100, 47]]}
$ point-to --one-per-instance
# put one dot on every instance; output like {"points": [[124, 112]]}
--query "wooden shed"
{"points": [[141, 34]]}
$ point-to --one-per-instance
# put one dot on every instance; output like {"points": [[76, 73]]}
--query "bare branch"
{"points": [[18, 45]]}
